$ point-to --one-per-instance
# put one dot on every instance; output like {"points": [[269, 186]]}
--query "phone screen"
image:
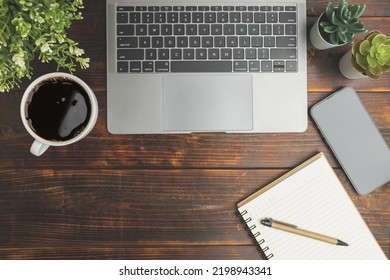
{"points": [[354, 139]]}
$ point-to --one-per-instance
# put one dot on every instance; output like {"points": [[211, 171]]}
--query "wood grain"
{"points": [[47, 209], [163, 196]]}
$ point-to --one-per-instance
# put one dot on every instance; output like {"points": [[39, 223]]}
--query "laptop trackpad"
{"points": [[208, 103]]}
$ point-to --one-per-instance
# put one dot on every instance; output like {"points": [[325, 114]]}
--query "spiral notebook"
{"points": [[312, 197]]}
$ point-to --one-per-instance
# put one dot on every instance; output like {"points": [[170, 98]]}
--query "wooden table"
{"points": [[163, 196]]}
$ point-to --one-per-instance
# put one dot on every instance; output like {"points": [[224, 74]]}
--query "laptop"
{"points": [[206, 66]]}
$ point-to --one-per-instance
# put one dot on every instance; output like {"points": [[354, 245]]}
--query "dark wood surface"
{"points": [[163, 196]]}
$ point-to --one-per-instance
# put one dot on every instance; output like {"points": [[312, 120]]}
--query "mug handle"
{"points": [[38, 148]]}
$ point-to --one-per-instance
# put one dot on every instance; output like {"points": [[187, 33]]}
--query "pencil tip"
{"points": [[342, 243]]}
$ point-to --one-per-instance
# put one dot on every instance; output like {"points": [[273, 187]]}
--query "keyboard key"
{"points": [[151, 54], [240, 66], [219, 41], [182, 42], [160, 18], [247, 17], [127, 42], [254, 66], [286, 41], [154, 29], [130, 54], [201, 53], [147, 18], [197, 18], [228, 29], [188, 54], [291, 8], [263, 53], [185, 17], [269, 41], [216, 29], [144, 42], [191, 29], [257, 41], [204, 29], [162, 66], [201, 66], [272, 17], [178, 8], [226, 53], [213, 53], [141, 29], [210, 17], [127, 29], [178, 29], [166, 29], [250, 53], [283, 53], [124, 8], [157, 42], [259, 17], [222, 17], [232, 41], [278, 29], [287, 17], [241, 29], [172, 17], [194, 41], [176, 53], [148, 66], [238, 53], [207, 41], [291, 29], [135, 66], [291, 66], [123, 67], [163, 54], [169, 42], [135, 17], [266, 66], [266, 29], [253, 29], [235, 17], [278, 66], [122, 17], [244, 41]]}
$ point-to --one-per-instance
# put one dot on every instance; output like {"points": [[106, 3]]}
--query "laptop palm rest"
{"points": [[207, 103]]}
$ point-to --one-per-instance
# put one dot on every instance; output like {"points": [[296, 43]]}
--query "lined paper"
{"points": [[311, 197]]}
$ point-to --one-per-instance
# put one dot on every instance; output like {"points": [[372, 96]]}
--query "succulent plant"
{"points": [[343, 22], [371, 56]]}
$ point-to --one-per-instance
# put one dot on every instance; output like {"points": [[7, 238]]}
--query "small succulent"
{"points": [[342, 23], [371, 56]]}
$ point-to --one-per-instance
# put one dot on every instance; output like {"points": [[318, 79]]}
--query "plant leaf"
{"points": [[365, 47]]}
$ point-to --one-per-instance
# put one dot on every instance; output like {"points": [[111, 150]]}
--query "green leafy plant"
{"points": [[341, 23], [371, 56], [30, 28]]}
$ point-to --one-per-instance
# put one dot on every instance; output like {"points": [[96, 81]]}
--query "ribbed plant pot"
{"points": [[347, 69], [316, 38]]}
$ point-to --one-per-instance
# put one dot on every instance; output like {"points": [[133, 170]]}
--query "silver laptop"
{"points": [[230, 66]]}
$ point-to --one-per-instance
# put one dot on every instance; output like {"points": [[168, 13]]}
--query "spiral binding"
{"points": [[256, 234]]}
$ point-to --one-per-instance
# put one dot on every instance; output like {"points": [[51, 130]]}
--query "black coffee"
{"points": [[58, 110]]}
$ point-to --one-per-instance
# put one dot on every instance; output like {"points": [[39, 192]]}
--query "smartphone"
{"points": [[354, 138]]}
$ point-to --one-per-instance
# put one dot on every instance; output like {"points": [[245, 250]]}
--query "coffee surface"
{"points": [[58, 110]]}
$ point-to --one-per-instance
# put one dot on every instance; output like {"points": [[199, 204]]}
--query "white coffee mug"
{"points": [[40, 145]]}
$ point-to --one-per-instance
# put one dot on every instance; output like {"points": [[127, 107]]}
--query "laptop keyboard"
{"points": [[186, 39]]}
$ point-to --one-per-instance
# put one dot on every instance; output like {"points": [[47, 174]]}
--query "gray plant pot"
{"points": [[316, 38], [347, 69]]}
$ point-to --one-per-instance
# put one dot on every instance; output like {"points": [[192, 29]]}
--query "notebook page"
{"points": [[313, 199]]}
